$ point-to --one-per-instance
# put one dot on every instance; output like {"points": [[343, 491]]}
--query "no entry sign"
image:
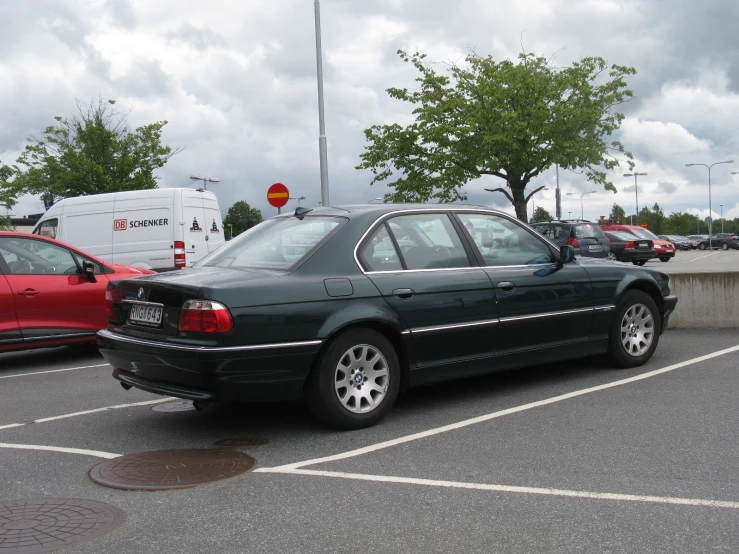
{"points": [[278, 195]]}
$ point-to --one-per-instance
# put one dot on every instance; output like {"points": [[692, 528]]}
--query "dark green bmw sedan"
{"points": [[347, 306]]}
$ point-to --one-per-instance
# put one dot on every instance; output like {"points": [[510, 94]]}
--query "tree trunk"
{"points": [[519, 199]]}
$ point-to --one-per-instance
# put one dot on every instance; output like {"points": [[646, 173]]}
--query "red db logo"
{"points": [[120, 224]]}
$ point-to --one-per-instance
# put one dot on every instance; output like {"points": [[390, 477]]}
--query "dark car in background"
{"points": [[584, 236], [384, 298], [724, 241], [625, 247], [695, 240], [680, 242]]}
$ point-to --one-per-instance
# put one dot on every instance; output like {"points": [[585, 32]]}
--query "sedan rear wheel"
{"points": [[664, 259], [612, 255], [639, 262], [702, 246], [356, 380], [635, 330], [724, 246]]}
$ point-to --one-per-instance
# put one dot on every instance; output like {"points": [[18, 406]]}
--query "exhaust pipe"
{"points": [[126, 386]]}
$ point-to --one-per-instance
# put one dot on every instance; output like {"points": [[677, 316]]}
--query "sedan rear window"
{"points": [[279, 243], [643, 233], [587, 231]]}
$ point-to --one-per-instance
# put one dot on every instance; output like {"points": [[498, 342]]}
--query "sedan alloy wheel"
{"points": [[637, 330], [361, 378]]}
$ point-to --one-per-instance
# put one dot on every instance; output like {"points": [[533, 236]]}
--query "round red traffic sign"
{"points": [[278, 195]]}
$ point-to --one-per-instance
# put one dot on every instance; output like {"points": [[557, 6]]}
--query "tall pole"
{"points": [[710, 210], [558, 197], [722, 218], [321, 123]]}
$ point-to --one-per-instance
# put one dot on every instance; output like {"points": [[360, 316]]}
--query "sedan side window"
{"points": [[31, 257], [379, 253], [433, 242], [502, 242]]}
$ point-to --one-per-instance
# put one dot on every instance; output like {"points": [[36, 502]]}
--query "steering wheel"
{"points": [[445, 250]]}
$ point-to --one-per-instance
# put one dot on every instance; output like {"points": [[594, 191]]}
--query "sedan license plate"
{"points": [[142, 314], [643, 245], [595, 247]]}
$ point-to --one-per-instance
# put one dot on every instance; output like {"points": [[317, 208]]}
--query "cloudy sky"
{"points": [[236, 79]]}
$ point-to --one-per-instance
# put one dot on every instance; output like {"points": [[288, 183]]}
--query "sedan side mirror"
{"points": [[89, 270], [566, 254]]}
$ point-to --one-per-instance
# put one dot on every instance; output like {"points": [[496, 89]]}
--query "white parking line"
{"points": [[93, 411], [695, 259], [501, 413], [97, 453], [51, 371], [508, 488]]}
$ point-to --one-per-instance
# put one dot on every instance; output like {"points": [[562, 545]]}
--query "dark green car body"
{"points": [[443, 322]]}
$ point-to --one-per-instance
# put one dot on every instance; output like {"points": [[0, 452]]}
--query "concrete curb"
{"points": [[705, 300]]}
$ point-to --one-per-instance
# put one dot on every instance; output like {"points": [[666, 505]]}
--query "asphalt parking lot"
{"points": [[572, 457], [690, 261]]}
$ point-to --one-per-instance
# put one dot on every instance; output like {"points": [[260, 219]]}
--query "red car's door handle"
{"points": [[28, 292]]}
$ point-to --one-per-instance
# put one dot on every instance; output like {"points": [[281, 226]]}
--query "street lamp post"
{"points": [[205, 180], [569, 215], [581, 194], [298, 198], [710, 211], [323, 155], [636, 190], [231, 228], [722, 218]]}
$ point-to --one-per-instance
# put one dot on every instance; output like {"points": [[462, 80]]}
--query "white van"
{"points": [[159, 229]]}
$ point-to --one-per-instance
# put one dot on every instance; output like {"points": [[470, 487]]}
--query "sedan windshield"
{"points": [[644, 234], [280, 243]]}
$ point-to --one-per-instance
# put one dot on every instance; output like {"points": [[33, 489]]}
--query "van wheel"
{"points": [[635, 330], [356, 380]]}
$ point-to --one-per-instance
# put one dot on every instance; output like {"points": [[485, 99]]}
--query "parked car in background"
{"points": [[695, 240], [724, 241], [160, 229], [585, 237], [50, 293], [681, 243], [625, 247], [390, 297], [664, 248]]}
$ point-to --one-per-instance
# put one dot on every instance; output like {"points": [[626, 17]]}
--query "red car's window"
{"points": [[34, 257]]}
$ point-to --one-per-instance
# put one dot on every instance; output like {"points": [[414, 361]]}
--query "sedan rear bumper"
{"points": [[230, 374]]}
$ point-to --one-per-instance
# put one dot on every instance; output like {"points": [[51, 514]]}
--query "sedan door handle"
{"points": [[28, 292], [507, 286], [403, 294]]}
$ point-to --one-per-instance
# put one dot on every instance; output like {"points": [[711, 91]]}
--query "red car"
{"points": [[664, 249], [50, 293]]}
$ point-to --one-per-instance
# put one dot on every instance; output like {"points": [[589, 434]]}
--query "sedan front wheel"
{"points": [[635, 330], [356, 380]]}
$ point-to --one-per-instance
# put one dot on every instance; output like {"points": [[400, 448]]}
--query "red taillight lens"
{"points": [[204, 316], [573, 242], [112, 297], [179, 254], [630, 246]]}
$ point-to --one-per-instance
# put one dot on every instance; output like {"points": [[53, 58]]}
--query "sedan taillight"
{"points": [[179, 254], [204, 316], [630, 246], [112, 304], [573, 242]]}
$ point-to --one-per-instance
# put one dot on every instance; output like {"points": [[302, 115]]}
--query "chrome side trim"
{"points": [[183, 348], [605, 308], [544, 314], [58, 337], [445, 209], [152, 304], [455, 326]]}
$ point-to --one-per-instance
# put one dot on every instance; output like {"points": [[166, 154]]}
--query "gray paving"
{"points": [[670, 435], [699, 261]]}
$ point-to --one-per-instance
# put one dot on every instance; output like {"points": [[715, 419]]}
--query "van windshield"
{"points": [[280, 243]]}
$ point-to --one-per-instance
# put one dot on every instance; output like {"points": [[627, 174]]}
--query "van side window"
{"points": [[47, 228]]}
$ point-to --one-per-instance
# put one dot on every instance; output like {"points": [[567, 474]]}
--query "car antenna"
{"points": [[300, 212]]}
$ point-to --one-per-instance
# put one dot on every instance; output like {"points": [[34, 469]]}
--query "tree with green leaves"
{"points": [[91, 152], [541, 215], [503, 119], [241, 216], [616, 213], [7, 201]]}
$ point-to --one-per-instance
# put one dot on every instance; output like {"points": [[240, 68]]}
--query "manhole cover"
{"points": [[171, 469], [47, 524], [241, 443], [179, 406]]}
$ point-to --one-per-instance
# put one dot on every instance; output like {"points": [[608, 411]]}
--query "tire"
{"points": [[612, 256], [637, 305], [349, 407], [724, 246], [639, 262], [663, 259], [702, 246]]}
